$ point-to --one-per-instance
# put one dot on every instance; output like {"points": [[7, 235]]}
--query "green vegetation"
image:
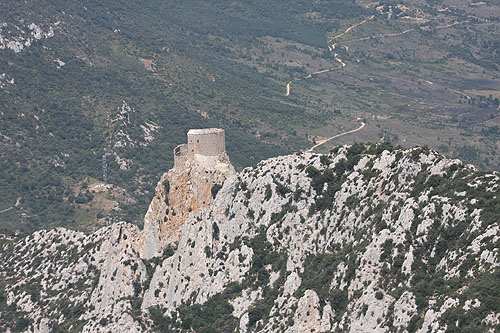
{"points": [[281, 189], [327, 183], [215, 189], [269, 192], [215, 315], [318, 273], [212, 316], [11, 318], [225, 64]]}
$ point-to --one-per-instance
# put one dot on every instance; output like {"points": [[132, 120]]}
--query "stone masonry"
{"points": [[198, 166]]}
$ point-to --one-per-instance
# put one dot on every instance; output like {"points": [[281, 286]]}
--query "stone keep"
{"points": [[187, 188], [207, 142]]}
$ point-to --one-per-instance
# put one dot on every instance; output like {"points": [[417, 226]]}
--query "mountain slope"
{"points": [[364, 238], [57, 113], [420, 73]]}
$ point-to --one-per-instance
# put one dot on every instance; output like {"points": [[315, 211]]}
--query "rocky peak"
{"points": [[200, 169], [368, 238]]}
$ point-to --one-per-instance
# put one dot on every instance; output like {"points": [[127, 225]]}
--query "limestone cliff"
{"points": [[366, 238], [183, 190]]}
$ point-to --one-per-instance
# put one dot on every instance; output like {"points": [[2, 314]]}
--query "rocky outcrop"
{"points": [[128, 128], [17, 38], [366, 238], [187, 188]]}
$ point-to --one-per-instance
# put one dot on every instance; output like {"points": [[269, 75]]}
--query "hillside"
{"points": [[365, 238], [127, 79]]}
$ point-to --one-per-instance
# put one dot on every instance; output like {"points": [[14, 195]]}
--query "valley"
{"points": [[340, 172], [271, 75]]}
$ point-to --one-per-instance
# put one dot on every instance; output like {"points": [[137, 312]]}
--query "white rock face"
{"points": [[241, 305], [350, 241], [404, 309], [17, 38], [6, 81], [43, 326], [308, 317], [122, 127], [180, 193], [431, 319]]}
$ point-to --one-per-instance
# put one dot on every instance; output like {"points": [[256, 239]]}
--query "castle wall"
{"points": [[180, 155], [208, 142]]}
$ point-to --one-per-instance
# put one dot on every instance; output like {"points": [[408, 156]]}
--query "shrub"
{"points": [[215, 231], [215, 189], [282, 189], [324, 160], [269, 192]]}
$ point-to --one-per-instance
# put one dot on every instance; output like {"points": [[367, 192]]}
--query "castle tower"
{"points": [[208, 142], [199, 165], [205, 142]]}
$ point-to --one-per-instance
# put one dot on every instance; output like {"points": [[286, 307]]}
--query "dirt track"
{"points": [[331, 46], [336, 136], [335, 56], [6, 210]]}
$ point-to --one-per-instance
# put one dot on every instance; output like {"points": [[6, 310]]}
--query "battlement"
{"points": [[206, 142], [180, 155]]}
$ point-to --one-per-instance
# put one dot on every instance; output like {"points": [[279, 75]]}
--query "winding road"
{"points": [[18, 201], [351, 27], [331, 47], [288, 85], [363, 124], [6, 210], [335, 56]]}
